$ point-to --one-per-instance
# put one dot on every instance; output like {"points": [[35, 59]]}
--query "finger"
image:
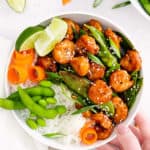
{"points": [[106, 147], [115, 142], [146, 145], [143, 124], [127, 139], [136, 132]]}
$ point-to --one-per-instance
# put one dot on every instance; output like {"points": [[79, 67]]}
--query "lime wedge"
{"points": [[52, 35], [17, 5], [27, 38]]}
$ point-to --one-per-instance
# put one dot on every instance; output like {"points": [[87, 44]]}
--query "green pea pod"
{"points": [[131, 94], [54, 77], [109, 108], [125, 43], [35, 108], [146, 5], [114, 47], [31, 123], [95, 59], [78, 84], [35, 91], [11, 105], [45, 83], [108, 59]]}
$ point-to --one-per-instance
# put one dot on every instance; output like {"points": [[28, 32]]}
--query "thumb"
{"points": [[127, 139]]}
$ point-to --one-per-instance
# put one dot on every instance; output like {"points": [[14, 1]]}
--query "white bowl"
{"points": [[80, 18], [137, 5]]}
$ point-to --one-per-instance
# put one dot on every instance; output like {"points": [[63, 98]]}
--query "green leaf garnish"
{"points": [[53, 135], [96, 3], [123, 4]]}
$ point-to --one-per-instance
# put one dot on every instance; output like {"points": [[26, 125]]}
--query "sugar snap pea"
{"points": [[10, 104], [36, 108], [36, 98], [35, 91], [75, 83], [108, 59]]}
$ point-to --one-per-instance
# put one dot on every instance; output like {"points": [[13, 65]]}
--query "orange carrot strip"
{"points": [[23, 57], [36, 73], [17, 74], [89, 136], [64, 2]]}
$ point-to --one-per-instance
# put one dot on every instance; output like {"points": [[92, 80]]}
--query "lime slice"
{"points": [[17, 5], [27, 38], [52, 35]]}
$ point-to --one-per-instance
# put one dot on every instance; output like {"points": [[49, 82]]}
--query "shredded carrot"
{"points": [[36, 73], [24, 57], [88, 136], [17, 74], [89, 124], [64, 2]]}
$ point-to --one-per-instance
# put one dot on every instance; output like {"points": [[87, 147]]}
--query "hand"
{"points": [[133, 137]]}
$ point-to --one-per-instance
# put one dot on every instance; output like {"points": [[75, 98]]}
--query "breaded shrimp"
{"points": [[80, 65], [121, 110], [64, 51], [96, 71], [71, 25], [99, 92], [87, 43], [110, 34], [120, 80], [131, 61]]}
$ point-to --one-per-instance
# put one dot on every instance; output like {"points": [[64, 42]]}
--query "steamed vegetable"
{"points": [[78, 84], [35, 108], [34, 91], [131, 94], [10, 104], [146, 5], [108, 59]]}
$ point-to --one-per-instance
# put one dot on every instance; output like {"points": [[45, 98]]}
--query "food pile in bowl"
{"points": [[72, 82]]}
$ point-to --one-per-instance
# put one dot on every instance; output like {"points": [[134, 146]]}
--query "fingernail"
{"points": [[122, 129]]}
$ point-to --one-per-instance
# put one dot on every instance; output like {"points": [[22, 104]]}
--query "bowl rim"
{"points": [[140, 9], [35, 134]]}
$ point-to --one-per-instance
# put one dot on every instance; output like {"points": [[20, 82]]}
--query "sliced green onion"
{"points": [[123, 4], [96, 3]]}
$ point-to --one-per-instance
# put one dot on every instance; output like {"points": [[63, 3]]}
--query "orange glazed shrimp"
{"points": [[121, 110], [71, 25], [87, 43], [102, 120], [64, 51], [131, 61], [110, 34], [80, 65], [95, 24], [99, 92], [96, 71], [120, 80], [104, 125]]}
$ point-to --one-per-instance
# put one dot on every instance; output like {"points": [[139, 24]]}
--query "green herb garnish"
{"points": [[96, 3], [123, 4]]}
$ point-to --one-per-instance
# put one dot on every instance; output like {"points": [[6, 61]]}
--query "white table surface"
{"points": [[12, 135]]}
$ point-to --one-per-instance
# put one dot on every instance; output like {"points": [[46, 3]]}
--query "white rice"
{"points": [[67, 124]]}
